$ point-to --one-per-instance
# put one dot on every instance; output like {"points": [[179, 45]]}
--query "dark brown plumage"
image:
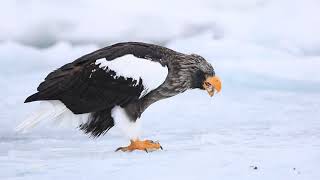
{"points": [[83, 91]]}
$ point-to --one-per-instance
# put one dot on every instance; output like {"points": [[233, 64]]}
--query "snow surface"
{"points": [[289, 25], [265, 123]]}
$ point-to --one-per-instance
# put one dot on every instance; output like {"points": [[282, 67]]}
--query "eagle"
{"points": [[114, 85]]}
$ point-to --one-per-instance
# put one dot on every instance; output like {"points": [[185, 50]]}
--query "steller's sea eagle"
{"points": [[105, 87]]}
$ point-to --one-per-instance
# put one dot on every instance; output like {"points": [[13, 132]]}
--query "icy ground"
{"points": [[267, 116], [265, 124]]}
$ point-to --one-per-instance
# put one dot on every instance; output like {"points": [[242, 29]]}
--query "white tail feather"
{"points": [[54, 111]]}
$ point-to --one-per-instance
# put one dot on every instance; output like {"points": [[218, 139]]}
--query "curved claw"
{"points": [[121, 148]]}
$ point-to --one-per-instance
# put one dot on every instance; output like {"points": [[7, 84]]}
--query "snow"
{"points": [[129, 66], [266, 53], [289, 25]]}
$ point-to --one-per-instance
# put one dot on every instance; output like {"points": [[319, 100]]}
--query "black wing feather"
{"points": [[83, 91], [85, 88], [90, 91]]}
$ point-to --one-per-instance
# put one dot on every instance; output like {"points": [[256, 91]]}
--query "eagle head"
{"points": [[204, 76]]}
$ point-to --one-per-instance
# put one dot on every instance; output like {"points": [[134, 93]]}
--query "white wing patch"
{"points": [[153, 74]]}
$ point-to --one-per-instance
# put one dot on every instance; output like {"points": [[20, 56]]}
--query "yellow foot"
{"points": [[146, 145]]}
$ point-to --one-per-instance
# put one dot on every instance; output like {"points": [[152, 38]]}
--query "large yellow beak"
{"points": [[212, 83]]}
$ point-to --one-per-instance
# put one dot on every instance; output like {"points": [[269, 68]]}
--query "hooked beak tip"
{"points": [[211, 84]]}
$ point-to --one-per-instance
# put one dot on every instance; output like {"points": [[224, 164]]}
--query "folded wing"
{"points": [[114, 75]]}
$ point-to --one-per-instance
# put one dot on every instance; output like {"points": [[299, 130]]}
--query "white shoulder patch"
{"points": [[153, 74]]}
